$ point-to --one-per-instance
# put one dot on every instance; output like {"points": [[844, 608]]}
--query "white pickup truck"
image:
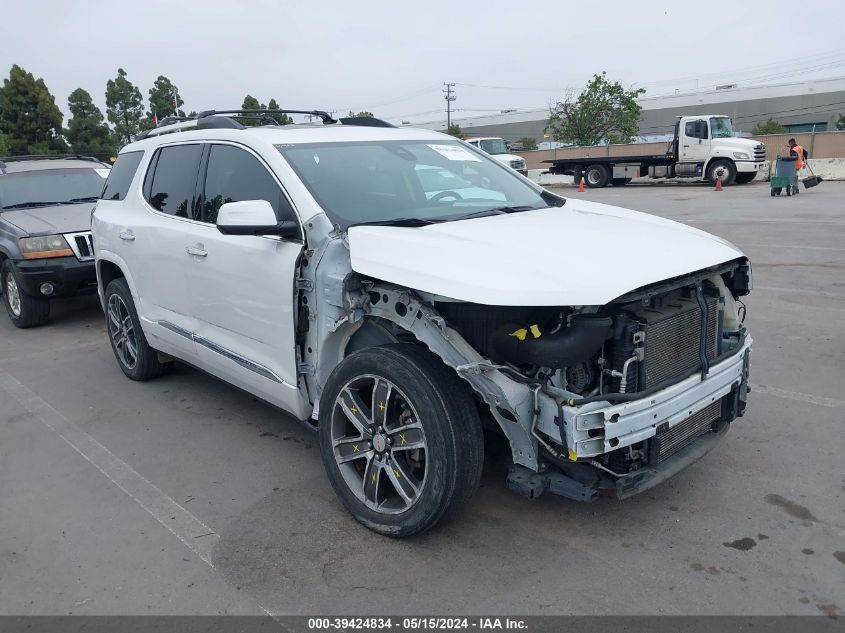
{"points": [[498, 149]]}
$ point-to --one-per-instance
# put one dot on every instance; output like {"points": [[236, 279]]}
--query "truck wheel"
{"points": [[23, 310], [136, 358], [744, 177], [596, 176], [725, 168], [400, 438], [619, 182]]}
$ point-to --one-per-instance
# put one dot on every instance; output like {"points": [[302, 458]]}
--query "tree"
{"points": [[768, 127], [251, 103], [281, 119], [125, 107], [162, 95], [455, 130], [4, 144], [86, 131], [528, 143], [362, 114], [29, 117], [603, 113], [840, 123]]}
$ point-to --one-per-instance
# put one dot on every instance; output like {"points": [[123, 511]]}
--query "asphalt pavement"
{"points": [[184, 495]]}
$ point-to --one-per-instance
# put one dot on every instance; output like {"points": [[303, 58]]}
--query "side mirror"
{"points": [[254, 217]]}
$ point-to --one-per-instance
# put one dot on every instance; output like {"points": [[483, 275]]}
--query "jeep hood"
{"points": [[583, 253], [66, 218]]}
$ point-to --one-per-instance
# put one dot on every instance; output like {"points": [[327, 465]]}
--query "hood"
{"points": [[583, 253], [66, 218], [733, 143], [506, 158]]}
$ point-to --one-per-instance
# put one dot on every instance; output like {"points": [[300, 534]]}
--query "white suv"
{"points": [[405, 293]]}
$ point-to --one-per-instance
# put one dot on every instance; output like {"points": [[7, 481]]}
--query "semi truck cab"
{"points": [[706, 145]]}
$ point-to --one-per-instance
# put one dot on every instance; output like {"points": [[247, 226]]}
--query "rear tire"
{"points": [[596, 176], [23, 310], [136, 358], [724, 167], [394, 490], [620, 182]]}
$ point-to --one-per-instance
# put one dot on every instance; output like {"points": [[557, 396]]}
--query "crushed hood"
{"points": [[583, 253], [66, 218]]}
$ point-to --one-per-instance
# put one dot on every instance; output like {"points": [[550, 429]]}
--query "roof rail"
{"points": [[365, 121], [325, 116], [168, 125], [9, 159]]}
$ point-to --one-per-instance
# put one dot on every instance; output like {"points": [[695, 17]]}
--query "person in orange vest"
{"points": [[796, 150]]}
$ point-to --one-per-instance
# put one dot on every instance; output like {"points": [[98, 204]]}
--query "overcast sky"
{"points": [[392, 57]]}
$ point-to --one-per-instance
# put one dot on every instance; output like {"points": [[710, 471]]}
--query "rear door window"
{"points": [[235, 175], [121, 175], [170, 185]]}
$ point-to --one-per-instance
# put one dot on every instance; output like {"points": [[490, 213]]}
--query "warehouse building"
{"points": [[805, 106]]}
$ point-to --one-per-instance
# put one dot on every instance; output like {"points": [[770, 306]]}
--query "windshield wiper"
{"points": [[24, 205], [85, 199], [516, 209], [398, 222]]}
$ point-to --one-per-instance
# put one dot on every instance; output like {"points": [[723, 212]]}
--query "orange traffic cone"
{"points": [[718, 183], [581, 187]]}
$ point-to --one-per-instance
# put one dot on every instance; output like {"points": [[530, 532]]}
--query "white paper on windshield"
{"points": [[104, 173], [455, 152]]}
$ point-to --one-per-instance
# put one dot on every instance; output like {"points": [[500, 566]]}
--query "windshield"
{"points": [[44, 187], [494, 146], [720, 127], [408, 181]]}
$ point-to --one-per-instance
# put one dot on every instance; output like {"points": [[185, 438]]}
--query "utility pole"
{"points": [[449, 93]]}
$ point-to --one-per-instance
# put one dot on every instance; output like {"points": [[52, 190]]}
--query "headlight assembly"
{"points": [[741, 155], [45, 246]]}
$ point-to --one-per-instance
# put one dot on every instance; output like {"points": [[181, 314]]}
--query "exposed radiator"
{"points": [[671, 336], [667, 443]]}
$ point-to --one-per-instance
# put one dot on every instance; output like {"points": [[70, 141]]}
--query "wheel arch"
{"points": [[110, 267], [509, 402]]}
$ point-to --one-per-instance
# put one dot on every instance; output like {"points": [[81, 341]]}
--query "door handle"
{"points": [[686, 145], [126, 236], [196, 251]]}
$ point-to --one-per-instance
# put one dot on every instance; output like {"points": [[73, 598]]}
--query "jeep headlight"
{"points": [[741, 156], [45, 246]]}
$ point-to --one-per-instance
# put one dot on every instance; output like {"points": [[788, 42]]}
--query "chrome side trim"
{"points": [[214, 347], [240, 360], [167, 325]]}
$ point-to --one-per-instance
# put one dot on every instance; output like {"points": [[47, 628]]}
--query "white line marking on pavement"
{"points": [[798, 246], [832, 403], [195, 534]]}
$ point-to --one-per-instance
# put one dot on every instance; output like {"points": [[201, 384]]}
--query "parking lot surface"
{"points": [[186, 496]]}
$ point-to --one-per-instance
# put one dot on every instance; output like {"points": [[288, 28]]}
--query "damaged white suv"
{"points": [[407, 293]]}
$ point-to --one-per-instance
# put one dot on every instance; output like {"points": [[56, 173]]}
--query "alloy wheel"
{"points": [[122, 332], [13, 295], [379, 444]]}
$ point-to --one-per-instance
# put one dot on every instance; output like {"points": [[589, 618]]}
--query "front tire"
{"points": [[725, 168], [136, 358], [400, 438], [23, 310], [596, 176]]}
